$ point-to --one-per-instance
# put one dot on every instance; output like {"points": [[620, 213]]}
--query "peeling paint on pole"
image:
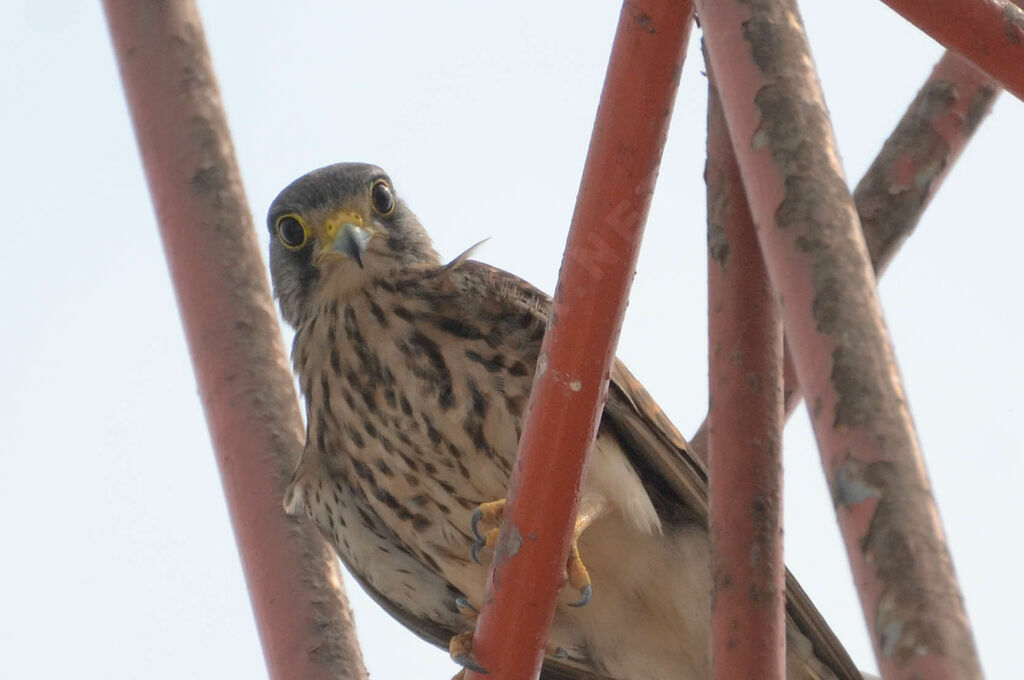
{"points": [[819, 265], [893, 194]]}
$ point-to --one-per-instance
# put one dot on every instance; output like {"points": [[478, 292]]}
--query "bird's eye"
{"points": [[292, 231], [383, 198]]}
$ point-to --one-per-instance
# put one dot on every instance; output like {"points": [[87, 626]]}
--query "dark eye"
{"points": [[292, 232], [383, 198]]}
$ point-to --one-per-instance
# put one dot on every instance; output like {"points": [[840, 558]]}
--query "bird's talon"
{"points": [[491, 512], [469, 665], [578, 576], [466, 607], [475, 550], [488, 540], [474, 524], [460, 647], [586, 592]]}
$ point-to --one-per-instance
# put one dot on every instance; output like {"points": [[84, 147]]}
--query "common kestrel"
{"points": [[416, 375]]}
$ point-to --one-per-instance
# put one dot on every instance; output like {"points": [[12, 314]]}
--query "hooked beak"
{"points": [[347, 236]]}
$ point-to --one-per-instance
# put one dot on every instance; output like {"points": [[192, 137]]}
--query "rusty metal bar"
{"points": [[748, 622], [988, 32], [302, 614], [892, 195], [528, 570], [818, 264], [915, 159]]}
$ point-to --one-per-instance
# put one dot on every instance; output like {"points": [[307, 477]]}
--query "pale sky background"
{"points": [[117, 559]]}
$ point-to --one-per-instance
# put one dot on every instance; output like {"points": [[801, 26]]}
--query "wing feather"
{"points": [[672, 475]]}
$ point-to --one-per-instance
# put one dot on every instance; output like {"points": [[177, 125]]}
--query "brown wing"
{"points": [[656, 447], [672, 475]]}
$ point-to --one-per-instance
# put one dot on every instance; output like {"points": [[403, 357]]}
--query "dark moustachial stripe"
{"points": [[374, 372]]}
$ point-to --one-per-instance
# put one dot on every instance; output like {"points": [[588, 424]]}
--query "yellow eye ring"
{"points": [[382, 197], [292, 231]]}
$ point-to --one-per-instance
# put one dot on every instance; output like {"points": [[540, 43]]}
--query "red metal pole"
{"points": [[575, 360], [301, 611], [748, 623], [818, 264], [988, 32], [897, 188]]}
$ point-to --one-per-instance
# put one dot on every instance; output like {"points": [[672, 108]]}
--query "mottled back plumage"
{"points": [[416, 376]]}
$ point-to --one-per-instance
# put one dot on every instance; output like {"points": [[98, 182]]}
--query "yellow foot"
{"points": [[576, 572], [490, 513], [461, 649], [578, 576]]}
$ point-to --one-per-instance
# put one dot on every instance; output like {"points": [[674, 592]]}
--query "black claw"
{"points": [[479, 543], [585, 594], [474, 523], [465, 661], [464, 603]]}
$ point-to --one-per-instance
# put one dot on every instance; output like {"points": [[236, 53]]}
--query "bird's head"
{"points": [[338, 226]]}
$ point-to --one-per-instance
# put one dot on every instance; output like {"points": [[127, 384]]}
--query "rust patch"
{"points": [[978, 108], [918, 611], [908, 618], [716, 179], [509, 543], [722, 581], [852, 483], [919, 602], [889, 206], [763, 589], [644, 22], [816, 209], [858, 378], [718, 244]]}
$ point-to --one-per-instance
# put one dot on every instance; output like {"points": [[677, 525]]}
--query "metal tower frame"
{"points": [[789, 247]]}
